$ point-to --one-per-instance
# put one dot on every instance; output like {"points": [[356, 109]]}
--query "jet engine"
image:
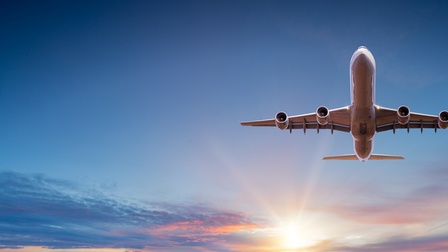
{"points": [[443, 119], [281, 120], [403, 114], [322, 115]]}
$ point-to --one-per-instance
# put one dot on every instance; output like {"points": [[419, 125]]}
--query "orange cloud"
{"points": [[199, 227]]}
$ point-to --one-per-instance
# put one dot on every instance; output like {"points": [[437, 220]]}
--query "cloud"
{"points": [[379, 206], [58, 214], [402, 244], [39, 211]]}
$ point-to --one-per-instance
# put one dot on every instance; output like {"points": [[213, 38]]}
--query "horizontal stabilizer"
{"points": [[372, 157], [342, 157], [385, 157]]}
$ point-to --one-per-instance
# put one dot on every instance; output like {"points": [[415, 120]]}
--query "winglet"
{"points": [[372, 157]]}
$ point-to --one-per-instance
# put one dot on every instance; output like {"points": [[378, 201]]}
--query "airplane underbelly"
{"points": [[363, 130], [363, 123], [363, 110]]}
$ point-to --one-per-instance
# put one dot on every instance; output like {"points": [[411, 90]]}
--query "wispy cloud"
{"points": [[403, 244], [38, 211], [425, 203]]}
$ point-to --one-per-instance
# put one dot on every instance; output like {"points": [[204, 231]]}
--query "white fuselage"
{"points": [[362, 84]]}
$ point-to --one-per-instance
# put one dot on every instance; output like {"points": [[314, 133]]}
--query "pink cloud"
{"points": [[199, 227], [427, 203]]}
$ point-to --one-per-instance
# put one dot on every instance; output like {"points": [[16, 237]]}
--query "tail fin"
{"points": [[372, 157]]}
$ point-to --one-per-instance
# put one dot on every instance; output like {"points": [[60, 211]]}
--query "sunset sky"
{"points": [[120, 126]]}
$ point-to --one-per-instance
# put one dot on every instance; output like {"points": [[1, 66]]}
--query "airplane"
{"points": [[363, 118]]}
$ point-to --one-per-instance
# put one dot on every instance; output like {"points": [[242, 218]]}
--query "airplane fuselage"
{"points": [[362, 81]]}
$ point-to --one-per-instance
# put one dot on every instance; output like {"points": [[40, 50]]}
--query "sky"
{"points": [[120, 126]]}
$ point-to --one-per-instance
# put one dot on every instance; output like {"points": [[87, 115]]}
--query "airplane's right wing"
{"points": [[336, 119], [388, 119]]}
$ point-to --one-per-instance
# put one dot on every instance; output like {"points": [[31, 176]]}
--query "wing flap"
{"points": [[410, 125], [315, 125]]}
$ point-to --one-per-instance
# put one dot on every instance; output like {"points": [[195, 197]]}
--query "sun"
{"points": [[293, 237]]}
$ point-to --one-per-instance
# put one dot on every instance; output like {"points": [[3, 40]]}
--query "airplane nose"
{"points": [[362, 47], [362, 63], [362, 59]]}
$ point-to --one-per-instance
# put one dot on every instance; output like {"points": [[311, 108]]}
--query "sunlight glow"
{"points": [[294, 237]]}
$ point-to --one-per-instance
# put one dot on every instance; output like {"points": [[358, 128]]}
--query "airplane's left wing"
{"points": [[335, 119], [388, 119]]}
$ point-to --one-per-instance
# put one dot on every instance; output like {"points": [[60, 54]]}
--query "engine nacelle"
{"points": [[322, 115], [281, 120], [403, 114], [443, 119]]}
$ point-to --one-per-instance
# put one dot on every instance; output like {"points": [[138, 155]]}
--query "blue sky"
{"points": [[120, 126]]}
